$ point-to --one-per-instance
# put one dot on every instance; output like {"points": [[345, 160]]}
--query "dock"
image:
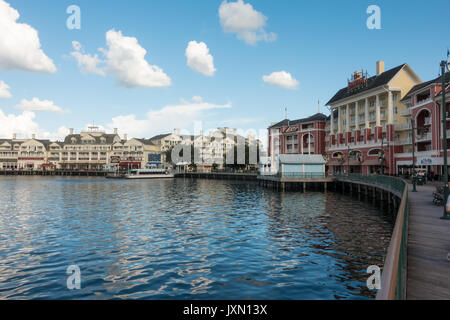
{"points": [[72, 173], [428, 275], [245, 176]]}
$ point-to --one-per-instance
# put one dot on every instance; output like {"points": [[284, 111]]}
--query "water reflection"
{"points": [[183, 239]]}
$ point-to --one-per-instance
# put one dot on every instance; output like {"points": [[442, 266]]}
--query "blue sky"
{"points": [[318, 43]]}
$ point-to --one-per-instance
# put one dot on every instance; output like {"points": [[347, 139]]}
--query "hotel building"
{"points": [[423, 110], [294, 137], [369, 122]]}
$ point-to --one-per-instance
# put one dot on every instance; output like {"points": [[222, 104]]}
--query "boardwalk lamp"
{"points": [[444, 65]]}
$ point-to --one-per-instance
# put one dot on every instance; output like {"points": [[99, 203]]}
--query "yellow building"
{"points": [[369, 123]]}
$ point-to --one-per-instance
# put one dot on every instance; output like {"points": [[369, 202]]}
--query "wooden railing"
{"points": [[393, 279]]}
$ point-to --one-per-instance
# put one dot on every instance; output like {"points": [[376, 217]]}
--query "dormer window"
{"points": [[74, 140]]}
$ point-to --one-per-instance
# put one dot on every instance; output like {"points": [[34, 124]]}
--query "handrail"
{"points": [[393, 279]]}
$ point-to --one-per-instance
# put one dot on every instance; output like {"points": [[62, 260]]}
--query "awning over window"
{"points": [[129, 163]]}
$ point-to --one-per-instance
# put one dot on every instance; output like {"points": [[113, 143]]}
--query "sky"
{"points": [[147, 67]]}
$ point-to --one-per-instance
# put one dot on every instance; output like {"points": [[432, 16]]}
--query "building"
{"points": [[301, 165], [211, 150], [23, 153], [302, 137], [88, 150], [424, 111], [368, 123]]}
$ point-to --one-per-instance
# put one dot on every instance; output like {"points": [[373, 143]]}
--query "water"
{"points": [[184, 239]]}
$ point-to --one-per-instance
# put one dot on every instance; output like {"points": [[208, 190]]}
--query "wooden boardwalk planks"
{"points": [[428, 247]]}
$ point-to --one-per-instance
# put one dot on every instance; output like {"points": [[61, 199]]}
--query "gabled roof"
{"points": [[372, 83], [148, 142], [109, 139], [422, 85], [160, 136], [287, 122]]}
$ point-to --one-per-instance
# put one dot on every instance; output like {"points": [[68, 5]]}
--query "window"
{"points": [[395, 110], [395, 96]]}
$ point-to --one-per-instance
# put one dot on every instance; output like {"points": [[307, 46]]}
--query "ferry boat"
{"points": [[142, 174]]}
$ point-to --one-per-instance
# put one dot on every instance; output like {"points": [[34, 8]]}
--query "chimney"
{"points": [[125, 137], [14, 136], [33, 136], [380, 67], [71, 131], [115, 130], [176, 132]]}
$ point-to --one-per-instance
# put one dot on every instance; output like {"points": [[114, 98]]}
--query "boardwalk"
{"points": [[428, 247]]}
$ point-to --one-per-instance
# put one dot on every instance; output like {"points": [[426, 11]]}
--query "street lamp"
{"points": [[444, 137], [348, 160], [413, 153]]}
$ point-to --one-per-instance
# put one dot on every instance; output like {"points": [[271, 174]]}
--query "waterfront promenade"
{"points": [[428, 275]]}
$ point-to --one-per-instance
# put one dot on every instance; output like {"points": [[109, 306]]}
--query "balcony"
{"points": [[425, 137], [403, 141], [406, 113], [403, 127], [422, 103]]}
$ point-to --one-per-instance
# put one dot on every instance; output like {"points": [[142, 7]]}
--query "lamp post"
{"points": [[348, 160], [382, 158], [413, 153], [444, 138]]}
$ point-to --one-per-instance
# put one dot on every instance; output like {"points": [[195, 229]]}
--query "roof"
{"points": [[287, 122], [146, 142], [372, 83], [422, 85], [109, 138], [301, 158], [447, 91], [160, 136]]}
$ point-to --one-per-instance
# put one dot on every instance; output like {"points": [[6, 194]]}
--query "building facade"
{"points": [[302, 137], [368, 125], [424, 112], [92, 149]]}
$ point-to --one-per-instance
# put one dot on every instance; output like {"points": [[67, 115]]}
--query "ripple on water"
{"points": [[183, 239]]}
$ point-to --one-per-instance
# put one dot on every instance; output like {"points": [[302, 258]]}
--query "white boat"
{"points": [[142, 174]]}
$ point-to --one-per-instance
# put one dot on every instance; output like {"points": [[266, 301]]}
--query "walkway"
{"points": [[428, 247]]}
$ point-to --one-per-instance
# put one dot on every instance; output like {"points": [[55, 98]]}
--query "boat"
{"points": [[142, 174]]}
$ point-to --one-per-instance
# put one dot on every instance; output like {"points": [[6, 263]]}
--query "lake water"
{"points": [[184, 239]]}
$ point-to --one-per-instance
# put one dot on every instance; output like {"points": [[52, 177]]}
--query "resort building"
{"points": [[302, 137], [23, 153], [88, 150], [369, 122], [424, 112]]}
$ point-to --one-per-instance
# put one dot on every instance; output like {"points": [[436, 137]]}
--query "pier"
{"points": [[300, 182], [73, 173], [428, 248], [218, 175]]}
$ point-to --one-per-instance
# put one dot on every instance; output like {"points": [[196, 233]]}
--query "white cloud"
{"points": [[20, 47], [38, 105], [24, 125], [199, 58], [281, 79], [86, 62], [4, 90], [182, 115], [125, 59], [240, 18]]}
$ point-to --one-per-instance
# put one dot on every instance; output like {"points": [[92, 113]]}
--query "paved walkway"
{"points": [[428, 247]]}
